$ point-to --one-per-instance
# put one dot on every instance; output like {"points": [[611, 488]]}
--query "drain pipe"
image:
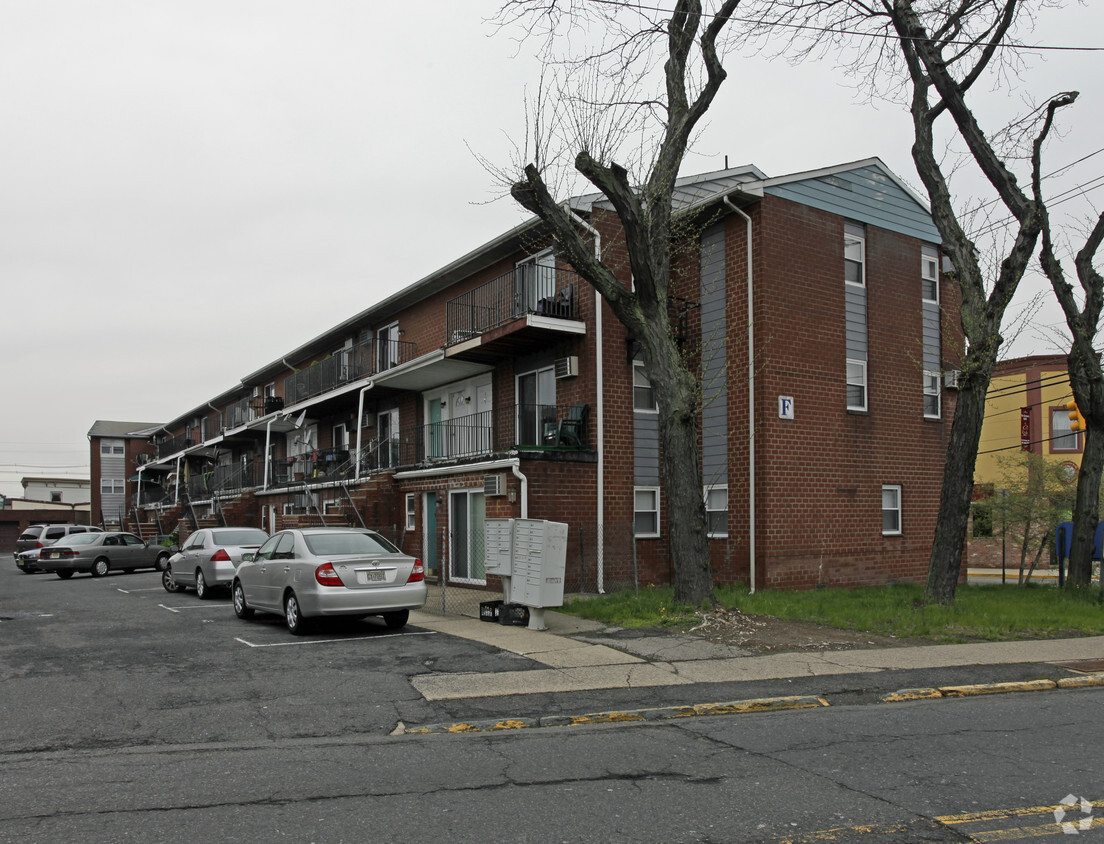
{"points": [[177, 497], [751, 398], [360, 424], [515, 466], [599, 416], [267, 452]]}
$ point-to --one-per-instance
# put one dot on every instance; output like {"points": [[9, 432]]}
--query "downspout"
{"points": [[599, 416], [751, 398], [267, 452], [515, 465], [177, 493], [360, 425]]}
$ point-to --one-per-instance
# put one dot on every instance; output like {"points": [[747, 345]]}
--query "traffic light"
{"points": [[1077, 421]]}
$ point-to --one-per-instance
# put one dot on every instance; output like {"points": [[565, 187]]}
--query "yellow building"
{"points": [[1025, 410]]}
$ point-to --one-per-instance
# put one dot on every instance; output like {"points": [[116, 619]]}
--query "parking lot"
{"points": [[119, 661]]}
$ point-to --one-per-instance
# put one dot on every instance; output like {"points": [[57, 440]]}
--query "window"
{"points": [[1062, 437], [55, 497], [856, 384], [410, 511], [111, 448], [891, 510], [388, 342], [644, 399], [111, 487], [854, 257], [929, 274], [646, 511], [716, 511], [932, 395]]}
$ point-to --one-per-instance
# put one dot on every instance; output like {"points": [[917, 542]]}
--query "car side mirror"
{"points": [[248, 557]]}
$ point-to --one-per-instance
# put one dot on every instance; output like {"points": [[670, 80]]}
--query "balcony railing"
{"points": [[345, 366], [172, 446], [546, 291]]}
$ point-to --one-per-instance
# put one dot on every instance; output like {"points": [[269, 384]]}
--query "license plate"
{"points": [[371, 576]]}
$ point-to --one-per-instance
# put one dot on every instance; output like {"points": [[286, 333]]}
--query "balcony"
{"points": [[521, 302], [345, 366], [172, 446]]}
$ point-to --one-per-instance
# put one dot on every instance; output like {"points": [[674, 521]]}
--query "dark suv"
{"points": [[37, 537]]}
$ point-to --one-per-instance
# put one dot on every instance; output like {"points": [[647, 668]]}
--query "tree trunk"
{"points": [[1086, 510], [945, 565]]}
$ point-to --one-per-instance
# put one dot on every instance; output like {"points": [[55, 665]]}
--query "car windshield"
{"points": [[82, 539], [335, 544], [239, 537]]}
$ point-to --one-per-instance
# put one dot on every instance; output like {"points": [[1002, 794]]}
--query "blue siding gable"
{"points": [[866, 195]]}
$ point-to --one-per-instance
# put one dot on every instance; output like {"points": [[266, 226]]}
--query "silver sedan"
{"points": [[99, 553], [209, 557], [320, 572]]}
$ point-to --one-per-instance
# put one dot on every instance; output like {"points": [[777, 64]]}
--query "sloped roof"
{"points": [[107, 428]]}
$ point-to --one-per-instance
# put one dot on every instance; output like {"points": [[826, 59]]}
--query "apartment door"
{"points": [[430, 540], [536, 393], [467, 513]]}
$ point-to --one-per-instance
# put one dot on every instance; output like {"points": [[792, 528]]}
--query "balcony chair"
{"points": [[571, 430]]}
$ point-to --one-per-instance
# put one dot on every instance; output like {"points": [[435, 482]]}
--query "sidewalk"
{"points": [[575, 659]]}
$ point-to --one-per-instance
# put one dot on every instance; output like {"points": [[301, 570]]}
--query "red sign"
{"points": [[1025, 428]]}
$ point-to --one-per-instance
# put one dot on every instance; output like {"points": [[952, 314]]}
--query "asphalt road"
{"points": [[132, 714]]}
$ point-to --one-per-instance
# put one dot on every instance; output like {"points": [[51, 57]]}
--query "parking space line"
{"points": [[133, 591], [330, 641], [189, 607]]}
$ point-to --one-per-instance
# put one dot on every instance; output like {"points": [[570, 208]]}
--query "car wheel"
{"points": [[396, 620], [203, 591], [65, 575], [101, 567], [293, 615], [241, 609], [168, 582], [162, 562]]}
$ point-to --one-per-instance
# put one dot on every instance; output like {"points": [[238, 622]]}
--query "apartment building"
{"points": [[812, 307]]}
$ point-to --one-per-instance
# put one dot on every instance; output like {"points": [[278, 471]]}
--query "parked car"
{"points": [[27, 561], [99, 553], [209, 557], [37, 537], [310, 573]]}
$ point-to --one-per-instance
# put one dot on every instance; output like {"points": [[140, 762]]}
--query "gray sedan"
{"points": [[99, 553], [319, 572], [209, 557]]}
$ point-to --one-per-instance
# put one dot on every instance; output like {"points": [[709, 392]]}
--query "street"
{"points": [[132, 714]]}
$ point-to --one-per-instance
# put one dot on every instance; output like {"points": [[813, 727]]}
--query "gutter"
{"points": [[599, 416], [751, 397], [513, 463]]}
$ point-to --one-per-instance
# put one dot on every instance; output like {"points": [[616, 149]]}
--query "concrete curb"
{"points": [[994, 688], [665, 713]]}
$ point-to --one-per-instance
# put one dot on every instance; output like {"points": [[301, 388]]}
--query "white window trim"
{"points": [[933, 259], [933, 387], [705, 497], [900, 520], [656, 534], [411, 512], [865, 385], [639, 365], [861, 241]]}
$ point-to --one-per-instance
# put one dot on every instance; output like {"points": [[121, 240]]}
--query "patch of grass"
{"points": [[979, 613]]}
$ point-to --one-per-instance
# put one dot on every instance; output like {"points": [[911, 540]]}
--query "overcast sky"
{"points": [[190, 189]]}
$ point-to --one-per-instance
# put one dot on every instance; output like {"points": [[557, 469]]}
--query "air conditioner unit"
{"points": [[494, 485], [951, 378], [369, 420], [567, 367]]}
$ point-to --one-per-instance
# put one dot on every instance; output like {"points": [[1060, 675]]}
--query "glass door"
{"points": [[467, 512]]}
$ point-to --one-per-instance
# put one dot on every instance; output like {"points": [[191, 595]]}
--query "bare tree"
{"points": [[933, 54], [661, 124]]}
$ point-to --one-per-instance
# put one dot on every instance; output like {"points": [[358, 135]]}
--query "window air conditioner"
{"points": [[494, 485], [567, 367], [951, 378]]}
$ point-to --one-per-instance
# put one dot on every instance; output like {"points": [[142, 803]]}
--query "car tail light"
{"points": [[220, 556], [418, 574], [68, 552], [39, 545], [326, 575]]}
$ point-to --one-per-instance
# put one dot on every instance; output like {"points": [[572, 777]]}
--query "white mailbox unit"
{"points": [[530, 555]]}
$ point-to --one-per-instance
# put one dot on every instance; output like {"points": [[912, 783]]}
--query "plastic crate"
{"points": [[490, 610], [514, 614]]}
